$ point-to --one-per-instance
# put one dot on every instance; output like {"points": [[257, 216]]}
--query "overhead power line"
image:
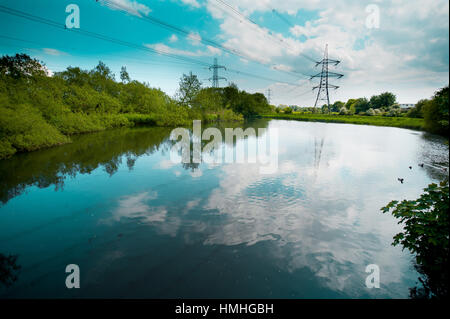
{"points": [[282, 18], [98, 36], [260, 29], [58, 25], [184, 32]]}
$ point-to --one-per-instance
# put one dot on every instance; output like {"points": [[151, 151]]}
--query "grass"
{"points": [[402, 122]]}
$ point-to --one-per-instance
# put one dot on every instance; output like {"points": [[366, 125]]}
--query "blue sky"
{"points": [[275, 40]]}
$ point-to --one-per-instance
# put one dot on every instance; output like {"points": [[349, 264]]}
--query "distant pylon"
{"points": [[269, 95], [322, 94], [215, 78]]}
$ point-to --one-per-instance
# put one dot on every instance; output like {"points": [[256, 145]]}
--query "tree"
{"points": [[190, 86], [361, 105], [103, 71], [74, 75], [337, 106], [343, 111], [287, 110], [425, 234], [417, 110], [436, 113], [124, 76], [21, 65], [386, 100]]}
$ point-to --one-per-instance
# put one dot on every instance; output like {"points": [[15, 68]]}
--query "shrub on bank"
{"points": [[24, 129]]}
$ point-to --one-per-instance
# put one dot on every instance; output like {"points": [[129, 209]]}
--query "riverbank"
{"points": [[41, 134], [402, 122]]}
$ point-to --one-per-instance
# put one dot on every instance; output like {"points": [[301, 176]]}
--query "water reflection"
{"points": [[159, 229], [8, 269]]}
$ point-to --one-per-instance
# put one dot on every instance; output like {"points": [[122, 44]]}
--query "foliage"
{"points": [[124, 76], [190, 86], [343, 111], [417, 110], [392, 111], [287, 110], [362, 105], [8, 269], [426, 234], [337, 106], [385, 99], [435, 113], [37, 110], [20, 66], [404, 122]]}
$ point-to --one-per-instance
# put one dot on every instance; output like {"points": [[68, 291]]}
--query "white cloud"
{"points": [[54, 52], [136, 206], [173, 38], [132, 7], [214, 50], [192, 3], [373, 60], [194, 38], [161, 47]]}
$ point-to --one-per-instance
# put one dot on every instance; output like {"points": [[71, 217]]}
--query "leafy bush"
{"points": [[287, 110], [25, 129], [6, 149], [343, 111], [426, 234], [436, 113]]}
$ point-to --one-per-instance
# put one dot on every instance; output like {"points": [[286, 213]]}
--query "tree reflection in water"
{"points": [[88, 152], [8, 269]]}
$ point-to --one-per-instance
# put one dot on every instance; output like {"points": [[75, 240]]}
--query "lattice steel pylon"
{"points": [[215, 78], [269, 95], [324, 85]]}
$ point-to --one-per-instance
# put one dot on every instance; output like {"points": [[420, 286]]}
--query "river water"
{"points": [[140, 226]]}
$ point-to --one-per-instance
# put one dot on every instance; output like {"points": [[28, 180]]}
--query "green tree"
{"points": [[426, 234], [20, 66], [417, 110], [436, 113], [361, 105], [124, 76], [190, 86], [287, 110], [384, 100], [337, 106]]}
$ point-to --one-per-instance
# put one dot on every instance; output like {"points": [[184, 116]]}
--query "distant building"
{"points": [[406, 106]]}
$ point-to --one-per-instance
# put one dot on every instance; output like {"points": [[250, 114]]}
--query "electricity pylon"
{"points": [[269, 95], [322, 94], [215, 78]]}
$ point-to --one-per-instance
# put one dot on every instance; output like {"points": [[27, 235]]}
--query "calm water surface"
{"points": [[140, 226]]}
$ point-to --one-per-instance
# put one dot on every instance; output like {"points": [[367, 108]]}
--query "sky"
{"points": [[396, 46]]}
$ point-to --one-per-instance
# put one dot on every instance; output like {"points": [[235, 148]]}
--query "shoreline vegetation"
{"points": [[400, 122], [41, 110]]}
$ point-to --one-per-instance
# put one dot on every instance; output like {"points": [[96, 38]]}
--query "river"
{"points": [[140, 226]]}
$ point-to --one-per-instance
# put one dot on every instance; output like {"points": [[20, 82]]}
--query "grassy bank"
{"points": [[402, 122], [41, 111]]}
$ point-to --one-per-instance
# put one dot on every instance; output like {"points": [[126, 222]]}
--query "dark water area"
{"points": [[140, 226]]}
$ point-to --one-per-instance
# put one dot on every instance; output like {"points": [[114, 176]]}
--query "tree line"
{"points": [[40, 110], [434, 111]]}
